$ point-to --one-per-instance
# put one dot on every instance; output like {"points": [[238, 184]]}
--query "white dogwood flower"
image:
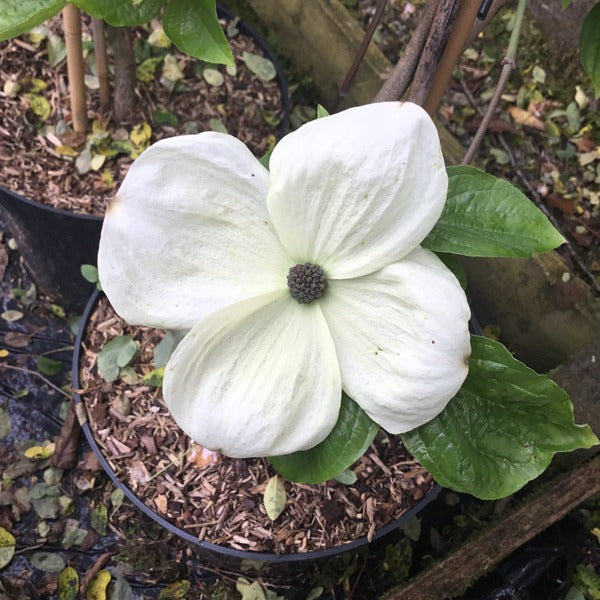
{"points": [[294, 284]]}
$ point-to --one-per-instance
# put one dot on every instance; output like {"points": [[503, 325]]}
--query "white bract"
{"points": [[201, 237]]}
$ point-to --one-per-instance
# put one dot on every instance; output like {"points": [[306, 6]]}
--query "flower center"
{"points": [[307, 282]]}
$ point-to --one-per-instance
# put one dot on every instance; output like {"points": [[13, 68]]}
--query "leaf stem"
{"points": [[508, 64]]}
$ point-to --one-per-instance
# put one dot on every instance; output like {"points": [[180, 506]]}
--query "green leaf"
{"points": [[565, 3], [121, 347], [456, 267], [49, 562], [90, 273], [346, 477], [351, 436], [175, 591], [502, 428], [194, 28], [121, 589], [121, 12], [265, 159], [487, 216], [589, 46], [19, 16], [68, 584], [5, 424], [262, 67], [99, 519], [321, 112], [155, 377], [162, 116], [48, 366]]}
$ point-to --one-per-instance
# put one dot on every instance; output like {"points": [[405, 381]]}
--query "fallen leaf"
{"points": [[17, 339], [100, 563], [7, 547], [565, 205], [68, 584], [40, 452], [175, 591], [524, 117], [12, 315], [98, 585], [49, 562], [65, 453], [202, 457], [274, 498]]}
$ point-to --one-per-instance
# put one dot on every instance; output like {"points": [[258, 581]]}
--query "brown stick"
{"points": [[360, 54], [452, 575], [72, 28], [454, 48], [401, 75], [432, 52], [124, 86], [98, 35]]}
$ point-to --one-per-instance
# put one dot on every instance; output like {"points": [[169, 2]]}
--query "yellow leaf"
{"points": [[40, 452], [97, 161], [3, 352], [274, 498], [524, 117], [39, 105], [140, 134], [7, 547], [66, 151], [175, 591], [98, 585], [68, 584]]}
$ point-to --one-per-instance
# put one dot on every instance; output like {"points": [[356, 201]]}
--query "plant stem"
{"points": [[124, 87], [461, 31], [401, 75], [432, 52], [72, 28], [360, 54], [98, 34], [508, 63]]}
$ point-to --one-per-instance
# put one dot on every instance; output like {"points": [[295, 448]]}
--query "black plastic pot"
{"points": [[55, 243], [214, 553]]}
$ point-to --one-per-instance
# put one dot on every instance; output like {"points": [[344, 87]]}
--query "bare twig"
{"points": [[432, 52], [401, 75], [508, 64], [72, 28], [580, 264], [38, 375], [360, 54], [99, 37]]}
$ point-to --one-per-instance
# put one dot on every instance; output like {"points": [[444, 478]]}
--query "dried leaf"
{"points": [[202, 457], [12, 315], [65, 454], [274, 497], [524, 117]]}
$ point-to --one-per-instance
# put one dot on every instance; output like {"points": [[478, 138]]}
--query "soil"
{"points": [[220, 499], [545, 134], [39, 153]]}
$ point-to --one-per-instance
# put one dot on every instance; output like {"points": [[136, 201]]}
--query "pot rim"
{"points": [[222, 551], [283, 126]]}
